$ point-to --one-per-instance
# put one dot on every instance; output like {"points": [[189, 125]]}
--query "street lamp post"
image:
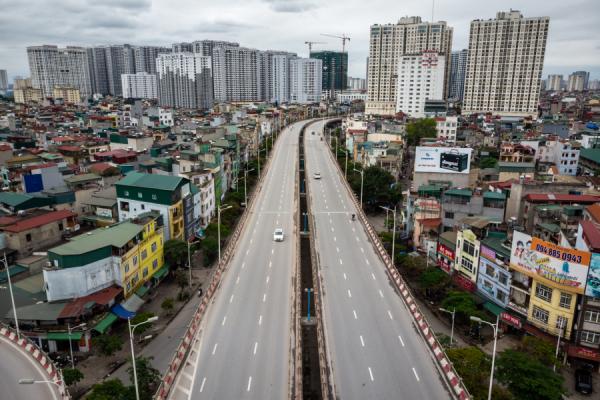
{"points": [[131, 329], [453, 313], [245, 189], [560, 331], [70, 330], [189, 245], [495, 328], [362, 178], [219, 210], [308, 291], [394, 229], [346, 165], [12, 297]]}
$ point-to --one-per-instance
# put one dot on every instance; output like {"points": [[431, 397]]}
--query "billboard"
{"points": [[550, 264], [593, 281], [455, 160]]}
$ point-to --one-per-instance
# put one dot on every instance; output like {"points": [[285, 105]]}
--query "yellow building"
{"points": [[467, 259], [550, 308], [27, 95], [176, 220], [67, 93]]}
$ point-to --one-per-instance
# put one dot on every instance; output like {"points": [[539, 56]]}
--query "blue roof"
{"points": [[122, 313]]}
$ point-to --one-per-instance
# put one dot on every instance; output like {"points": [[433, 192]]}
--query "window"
{"points": [[467, 264], [590, 337], [153, 247], [540, 314], [153, 197], [592, 316], [144, 255], [28, 237], [145, 272], [126, 193], [155, 264], [543, 292], [489, 270], [501, 296], [565, 300], [126, 267], [140, 195], [125, 205], [561, 322], [449, 215], [142, 206], [60, 226], [469, 248], [135, 260], [503, 278]]}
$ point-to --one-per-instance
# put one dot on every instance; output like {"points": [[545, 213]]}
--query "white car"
{"points": [[278, 235], [317, 175]]}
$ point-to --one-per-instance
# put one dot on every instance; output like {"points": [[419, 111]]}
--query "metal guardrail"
{"points": [[32, 349], [458, 389]]}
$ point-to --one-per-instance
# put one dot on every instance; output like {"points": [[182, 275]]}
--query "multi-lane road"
{"points": [[375, 352], [242, 350], [15, 364]]}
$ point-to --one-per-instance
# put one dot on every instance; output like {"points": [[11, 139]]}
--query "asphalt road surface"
{"points": [[15, 364], [374, 349], [243, 347]]}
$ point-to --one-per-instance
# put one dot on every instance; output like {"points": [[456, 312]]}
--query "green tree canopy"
{"points": [[421, 128], [107, 344], [379, 187], [148, 377], [434, 281], [464, 304], [175, 252], [72, 376], [139, 318], [473, 366], [527, 378], [112, 389], [488, 162]]}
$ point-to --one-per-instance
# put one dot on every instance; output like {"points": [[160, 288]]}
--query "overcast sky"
{"points": [[573, 41]]}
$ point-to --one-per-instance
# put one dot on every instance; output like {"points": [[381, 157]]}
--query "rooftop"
{"points": [[26, 224], [115, 236], [594, 211], [590, 154], [459, 192], [574, 198], [592, 234], [151, 181]]}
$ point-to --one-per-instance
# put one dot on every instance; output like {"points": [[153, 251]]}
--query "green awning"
{"points": [[63, 336], [493, 308], [161, 273], [105, 323], [143, 289]]}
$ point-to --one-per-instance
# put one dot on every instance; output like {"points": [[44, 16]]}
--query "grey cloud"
{"points": [[291, 6], [124, 4]]}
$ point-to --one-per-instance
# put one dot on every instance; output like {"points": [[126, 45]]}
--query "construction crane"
{"points": [[344, 38], [309, 43]]}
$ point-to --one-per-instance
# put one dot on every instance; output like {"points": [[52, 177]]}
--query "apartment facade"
{"points": [[388, 43], [578, 81], [554, 83], [184, 80], [3, 81], [51, 66], [335, 69], [420, 78], [458, 69], [141, 85], [505, 62], [305, 80], [68, 94]]}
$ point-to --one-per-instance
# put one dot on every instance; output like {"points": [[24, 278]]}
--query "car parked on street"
{"points": [[278, 235]]}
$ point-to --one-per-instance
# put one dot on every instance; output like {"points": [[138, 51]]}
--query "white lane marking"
{"points": [[380, 293], [415, 372], [249, 384], [332, 230], [334, 239], [361, 249], [254, 231], [202, 385], [373, 276], [341, 261], [247, 251], [353, 230], [401, 341], [277, 222], [345, 276], [270, 264], [337, 249], [215, 348], [237, 280], [349, 294], [355, 316], [267, 278], [356, 238], [224, 319], [362, 341], [243, 265], [255, 347], [264, 297], [230, 299], [251, 240], [260, 319], [367, 261], [272, 251], [371, 374], [390, 314]]}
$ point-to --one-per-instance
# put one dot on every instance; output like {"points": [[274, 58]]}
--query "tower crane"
{"points": [[344, 38], [309, 43]]}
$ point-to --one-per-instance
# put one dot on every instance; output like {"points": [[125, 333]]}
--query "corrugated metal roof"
{"points": [[151, 181], [116, 235], [39, 220]]}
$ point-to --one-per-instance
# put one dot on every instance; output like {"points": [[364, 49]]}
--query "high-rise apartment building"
{"points": [[420, 78], [305, 80], [279, 78], [237, 73], [67, 94], [554, 83], [458, 68], [145, 58], [504, 67], [594, 84], [578, 81], [3, 81], [388, 43], [357, 83], [184, 80], [335, 69], [51, 66], [141, 85]]}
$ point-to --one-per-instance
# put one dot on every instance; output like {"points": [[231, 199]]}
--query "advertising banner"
{"points": [[593, 280], [443, 159], [550, 264], [445, 257]]}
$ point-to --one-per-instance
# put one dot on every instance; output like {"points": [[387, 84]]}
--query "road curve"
{"points": [[375, 351]]}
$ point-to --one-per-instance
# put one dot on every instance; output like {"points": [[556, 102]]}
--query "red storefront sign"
{"points": [[445, 251], [464, 282], [511, 320], [582, 352]]}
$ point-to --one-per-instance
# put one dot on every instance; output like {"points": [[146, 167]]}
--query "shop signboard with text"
{"points": [[443, 159]]}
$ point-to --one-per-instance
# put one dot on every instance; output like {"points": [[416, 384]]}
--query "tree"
{"points": [[148, 377], [412, 266], [142, 317], [539, 349], [72, 376], [464, 304], [112, 389], [434, 281], [422, 128], [182, 278], [473, 366], [379, 187], [527, 378], [168, 304], [107, 344], [488, 162], [175, 252]]}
